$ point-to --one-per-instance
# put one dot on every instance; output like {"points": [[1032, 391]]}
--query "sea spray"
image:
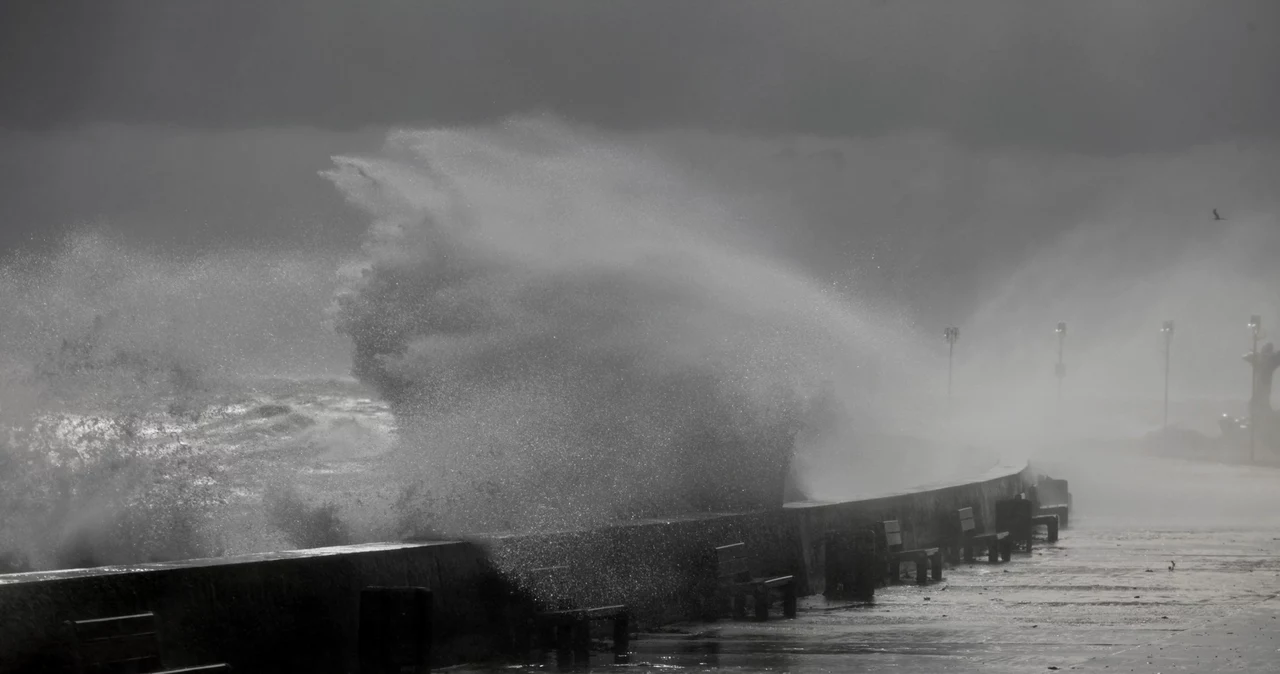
{"points": [[134, 407], [570, 332]]}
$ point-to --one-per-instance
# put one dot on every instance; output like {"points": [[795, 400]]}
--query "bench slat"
{"points": [[593, 613], [731, 561], [892, 533], [731, 552], [1052, 492], [119, 649], [733, 568], [917, 552], [102, 628], [777, 582]]}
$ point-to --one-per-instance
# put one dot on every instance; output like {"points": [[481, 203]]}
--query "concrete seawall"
{"points": [[297, 610]]}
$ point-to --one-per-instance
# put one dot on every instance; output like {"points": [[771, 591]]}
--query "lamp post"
{"points": [[1061, 369], [951, 334], [1255, 326], [1168, 341]]}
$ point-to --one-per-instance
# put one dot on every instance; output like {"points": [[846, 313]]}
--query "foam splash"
{"points": [[569, 331], [132, 397]]}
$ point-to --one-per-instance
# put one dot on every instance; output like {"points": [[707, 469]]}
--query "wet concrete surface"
{"points": [[1070, 605], [1126, 589]]}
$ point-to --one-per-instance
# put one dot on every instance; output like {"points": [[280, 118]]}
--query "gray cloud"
{"points": [[175, 187], [1089, 76]]}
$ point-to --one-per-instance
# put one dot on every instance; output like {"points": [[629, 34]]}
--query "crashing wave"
{"points": [[568, 331]]}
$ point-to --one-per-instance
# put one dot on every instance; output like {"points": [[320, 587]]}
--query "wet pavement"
{"points": [[1139, 593], [1093, 598]]}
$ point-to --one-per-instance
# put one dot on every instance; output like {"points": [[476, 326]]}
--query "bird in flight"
{"points": [[1216, 216]]}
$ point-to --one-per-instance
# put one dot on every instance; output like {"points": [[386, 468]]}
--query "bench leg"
{"points": [[1053, 531], [895, 571], [739, 604], [968, 551], [564, 645], [993, 552], [922, 571], [1006, 549], [530, 637], [864, 582], [762, 603], [546, 636], [789, 601], [936, 567], [621, 639], [581, 640]]}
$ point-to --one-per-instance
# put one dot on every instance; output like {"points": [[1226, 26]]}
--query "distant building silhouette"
{"points": [[1264, 363]]}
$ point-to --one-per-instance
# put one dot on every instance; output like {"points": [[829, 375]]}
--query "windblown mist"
{"points": [[134, 385], [570, 331], [550, 325]]}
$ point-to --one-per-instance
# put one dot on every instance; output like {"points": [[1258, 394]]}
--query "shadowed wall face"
{"points": [[294, 611]]}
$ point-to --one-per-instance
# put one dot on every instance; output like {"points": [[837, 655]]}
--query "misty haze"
{"points": [[527, 280]]}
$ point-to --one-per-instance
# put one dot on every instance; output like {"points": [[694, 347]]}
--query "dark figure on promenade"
{"points": [[1264, 363]]}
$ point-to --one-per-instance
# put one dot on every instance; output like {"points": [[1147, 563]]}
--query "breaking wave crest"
{"points": [[568, 331]]}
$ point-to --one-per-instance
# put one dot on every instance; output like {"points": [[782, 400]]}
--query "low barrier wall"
{"points": [[297, 610]]}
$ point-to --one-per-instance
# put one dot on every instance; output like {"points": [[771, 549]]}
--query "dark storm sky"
{"points": [[79, 79], [1097, 76]]}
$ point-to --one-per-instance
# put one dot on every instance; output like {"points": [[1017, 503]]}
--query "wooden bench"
{"points": [[395, 630], [128, 644], [998, 544], [925, 559], [568, 627], [1016, 515], [1052, 498], [850, 563], [733, 574], [1050, 522]]}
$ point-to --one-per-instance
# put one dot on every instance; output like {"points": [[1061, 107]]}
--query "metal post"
{"points": [[951, 334], [1168, 340], [1061, 369], [1255, 325]]}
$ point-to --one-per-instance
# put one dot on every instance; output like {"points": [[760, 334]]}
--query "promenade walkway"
{"points": [[1175, 568], [1097, 600]]}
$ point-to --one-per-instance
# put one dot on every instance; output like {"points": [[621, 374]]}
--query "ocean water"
{"points": [[264, 464], [545, 328]]}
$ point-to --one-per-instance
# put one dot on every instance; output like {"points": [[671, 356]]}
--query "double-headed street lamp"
{"points": [[1061, 369], [1168, 341], [951, 334], [1255, 326]]}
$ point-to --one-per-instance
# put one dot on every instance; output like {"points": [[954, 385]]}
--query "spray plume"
{"points": [[569, 332]]}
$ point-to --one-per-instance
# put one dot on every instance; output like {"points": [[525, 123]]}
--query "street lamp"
{"points": [[1061, 369], [1168, 341], [951, 334], [1255, 326]]}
